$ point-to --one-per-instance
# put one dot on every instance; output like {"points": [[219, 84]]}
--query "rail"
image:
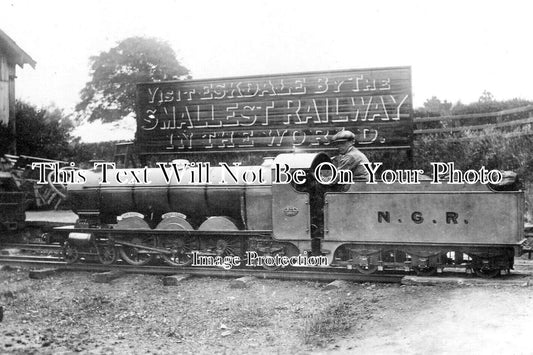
{"points": [[309, 275]]}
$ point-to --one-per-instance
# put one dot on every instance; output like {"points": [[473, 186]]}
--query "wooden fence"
{"points": [[506, 124]]}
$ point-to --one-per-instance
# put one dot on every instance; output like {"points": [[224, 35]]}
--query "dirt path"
{"points": [[136, 314], [478, 320]]}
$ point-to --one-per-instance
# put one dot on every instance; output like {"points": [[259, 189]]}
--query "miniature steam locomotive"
{"points": [[231, 210]]}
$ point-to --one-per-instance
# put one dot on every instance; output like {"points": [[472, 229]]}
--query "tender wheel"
{"points": [[366, 269], [268, 257], [70, 253], [283, 250], [273, 267], [486, 273], [137, 256], [484, 267], [107, 254], [425, 271], [181, 251], [366, 262]]}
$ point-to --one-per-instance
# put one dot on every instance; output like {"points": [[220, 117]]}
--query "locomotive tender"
{"points": [[364, 226]]}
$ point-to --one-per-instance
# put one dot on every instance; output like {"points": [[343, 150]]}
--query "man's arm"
{"points": [[346, 162]]}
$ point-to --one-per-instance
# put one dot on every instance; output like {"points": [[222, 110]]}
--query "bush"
{"points": [[487, 149], [40, 132], [473, 149], [82, 153]]}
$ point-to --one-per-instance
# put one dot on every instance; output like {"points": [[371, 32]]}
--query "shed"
{"points": [[11, 55]]}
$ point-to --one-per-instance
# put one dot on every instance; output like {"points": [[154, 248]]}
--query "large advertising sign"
{"points": [[285, 112]]}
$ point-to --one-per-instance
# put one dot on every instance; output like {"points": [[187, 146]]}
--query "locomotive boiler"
{"points": [[177, 210]]}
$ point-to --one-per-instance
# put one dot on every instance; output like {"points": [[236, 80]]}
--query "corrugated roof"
{"points": [[14, 52]]}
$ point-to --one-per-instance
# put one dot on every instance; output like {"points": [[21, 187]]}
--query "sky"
{"points": [[456, 49]]}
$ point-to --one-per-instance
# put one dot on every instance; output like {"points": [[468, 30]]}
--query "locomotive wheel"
{"points": [[137, 256], [107, 254], [181, 248], [223, 246], [132, 255], [70, 253], [228, 247], [425, 271], [218, 223], [181, 251]]}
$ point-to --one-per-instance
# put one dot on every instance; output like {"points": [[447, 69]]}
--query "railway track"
{"points": [[30, 246], [50, 258], [313, 275]]}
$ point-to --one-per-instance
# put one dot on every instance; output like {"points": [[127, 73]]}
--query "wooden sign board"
{"points": [[286, 112]]}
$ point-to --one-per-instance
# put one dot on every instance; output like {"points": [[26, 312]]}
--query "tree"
{"points": [[110, 95], [486, 97], [434, 105], [41, 132]]}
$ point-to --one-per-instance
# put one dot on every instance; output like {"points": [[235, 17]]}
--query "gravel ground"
{"points": [[137, 314], [68, 312]]}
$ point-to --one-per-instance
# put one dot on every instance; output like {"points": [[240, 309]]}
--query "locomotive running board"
{"points": [[162, 232]]}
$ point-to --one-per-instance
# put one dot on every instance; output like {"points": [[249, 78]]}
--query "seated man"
{"points": [[349, 158]]}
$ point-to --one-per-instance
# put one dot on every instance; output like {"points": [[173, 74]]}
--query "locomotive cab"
{"points": [[298, 199]]}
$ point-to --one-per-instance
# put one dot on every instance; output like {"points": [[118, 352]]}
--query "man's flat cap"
{"points": [[343, 136]]}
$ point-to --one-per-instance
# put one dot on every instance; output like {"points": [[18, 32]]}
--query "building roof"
{"points": [[15, 54]]}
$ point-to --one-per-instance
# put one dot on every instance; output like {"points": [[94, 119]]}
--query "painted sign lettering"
{"points": [[278, 112]]}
